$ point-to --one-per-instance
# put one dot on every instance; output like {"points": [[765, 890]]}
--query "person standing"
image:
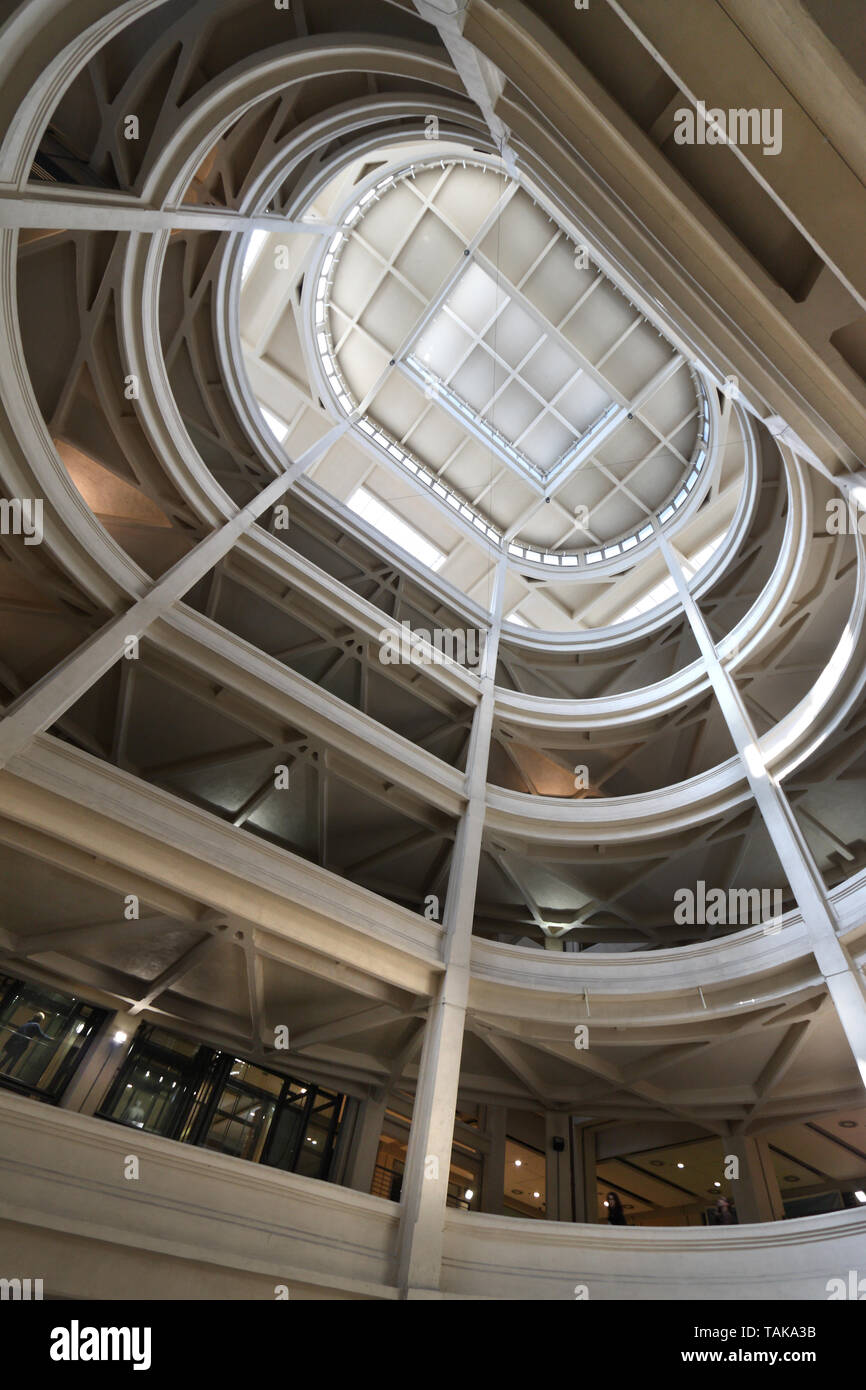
{"points": [[19, 1040], [615, 1213]]}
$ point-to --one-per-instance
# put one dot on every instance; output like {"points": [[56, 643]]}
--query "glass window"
{"points": [[464, 1179], [152, 1097], [240, 1122], [186, 1091], [44, 1035], [287, 1134], [245, 1074], [314, 1156], [525, 1180], [464, 1176], [157, 1083], [390, 1164]]}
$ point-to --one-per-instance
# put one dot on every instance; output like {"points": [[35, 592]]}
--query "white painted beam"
{"points": [[428, 1158], [841, 973], [80, 212], [56, 692]]}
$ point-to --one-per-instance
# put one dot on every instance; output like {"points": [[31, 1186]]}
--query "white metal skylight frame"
{"points": [[505, 295], [381, 442]]}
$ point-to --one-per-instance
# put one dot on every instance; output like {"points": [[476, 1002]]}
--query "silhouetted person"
{"points": [[18, 1042], [615, 1213], [135, 1115], [725, 1214]]}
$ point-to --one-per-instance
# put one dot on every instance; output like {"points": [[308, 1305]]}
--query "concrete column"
{"points": [[101, 1065], [493, 1176], [585, 1190], [844, 980], [428, 1158], [557, 1163], [365, 1142], [756, 1191]]}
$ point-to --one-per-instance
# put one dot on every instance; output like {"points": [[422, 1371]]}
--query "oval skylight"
{"points": [[485, 353]]}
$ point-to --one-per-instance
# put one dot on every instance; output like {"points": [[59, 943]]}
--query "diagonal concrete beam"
{"points": [[840, 970], [55, 693]]}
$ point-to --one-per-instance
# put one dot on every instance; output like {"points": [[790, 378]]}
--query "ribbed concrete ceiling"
{"points": [[272, 654]]}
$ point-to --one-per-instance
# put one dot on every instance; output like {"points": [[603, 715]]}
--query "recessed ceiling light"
{"points": [[656, 1163], [847, 1124], [860, 1195], [790, 1177], [518, 1162], [681, 1165]]}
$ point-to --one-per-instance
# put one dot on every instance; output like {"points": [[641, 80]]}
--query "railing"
{"points": [[388, 1183]]}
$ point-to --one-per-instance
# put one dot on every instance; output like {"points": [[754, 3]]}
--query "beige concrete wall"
{"points": [[195, 1224], [491, 1258]]}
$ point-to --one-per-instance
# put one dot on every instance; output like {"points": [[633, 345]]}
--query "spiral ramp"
{"points": [[242, 248]]}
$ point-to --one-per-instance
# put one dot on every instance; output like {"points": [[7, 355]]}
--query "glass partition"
{"points": [[184, 1090], [44, 1035], [157, 1084]]}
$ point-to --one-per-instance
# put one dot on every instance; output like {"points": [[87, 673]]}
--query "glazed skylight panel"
{"points": [[541, 360], [495, 362]]}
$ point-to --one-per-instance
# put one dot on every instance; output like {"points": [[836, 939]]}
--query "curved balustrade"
{"points": [[201, 1224], [145, 288]]}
